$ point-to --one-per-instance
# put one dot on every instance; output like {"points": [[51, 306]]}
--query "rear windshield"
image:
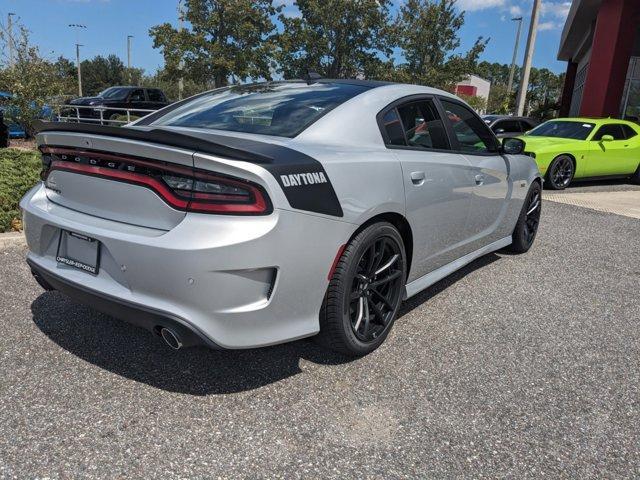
{"points": [[563, 129], [283, 109]]}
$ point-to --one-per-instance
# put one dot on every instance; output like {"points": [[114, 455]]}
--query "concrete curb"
{"points": [[12, 239]]}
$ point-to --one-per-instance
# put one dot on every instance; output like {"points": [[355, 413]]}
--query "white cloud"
{"points": [[559, 10], [548, 26], [515, 11], [473, 5]]}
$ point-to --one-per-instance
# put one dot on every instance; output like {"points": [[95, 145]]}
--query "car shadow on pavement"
{"points": [[136, 354]]}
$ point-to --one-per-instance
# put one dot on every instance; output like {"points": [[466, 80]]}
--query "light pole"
{"points": [[181, 62], [77, 26], [10, 33], [528, 55], [129, 37], [512, 70]]}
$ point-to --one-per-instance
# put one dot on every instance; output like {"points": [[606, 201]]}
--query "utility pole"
{"points": [[129, 37], [79, 69], [515, 57], [77, 26], [528, 55], [10, 33], [181, 62]]}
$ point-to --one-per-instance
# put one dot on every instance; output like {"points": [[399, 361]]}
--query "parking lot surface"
{"points": [[517, 366]]}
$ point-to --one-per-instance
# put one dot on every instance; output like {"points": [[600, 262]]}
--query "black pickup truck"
{"points": [[114, 98]]}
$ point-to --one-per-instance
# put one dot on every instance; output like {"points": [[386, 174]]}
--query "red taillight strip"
{"points": [[129, 177], [197, 204]]}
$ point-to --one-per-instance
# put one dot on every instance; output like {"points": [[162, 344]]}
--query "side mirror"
{"points": [[512, 146], [499, 131], [607, 138]]}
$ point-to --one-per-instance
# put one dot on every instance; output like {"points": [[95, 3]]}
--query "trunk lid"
{"points": [[79, 184]]}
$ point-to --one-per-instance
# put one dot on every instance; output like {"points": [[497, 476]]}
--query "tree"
{"points": [[335, 38], [427, 33], [104, 72], [227, 39], [33, 82]]}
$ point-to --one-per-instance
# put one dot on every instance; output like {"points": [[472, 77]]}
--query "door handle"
{"points": [[479, 179], [417, 178]]}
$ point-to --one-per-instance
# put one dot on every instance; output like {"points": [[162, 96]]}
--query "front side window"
{"points": [[613, 129], [278, 108], [472, 133], [563, 129], [507, 126]]}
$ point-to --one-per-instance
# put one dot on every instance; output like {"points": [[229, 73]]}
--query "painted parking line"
{"points": [[626, 202]]}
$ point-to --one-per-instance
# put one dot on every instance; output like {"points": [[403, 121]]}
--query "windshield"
{"points": [[281, 108], [563, 129], [489, 118], [114, 93]]}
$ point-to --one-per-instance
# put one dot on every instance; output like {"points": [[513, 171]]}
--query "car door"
{"points": [[437, 181], [507, 128], [490, 170], [611, 157]]}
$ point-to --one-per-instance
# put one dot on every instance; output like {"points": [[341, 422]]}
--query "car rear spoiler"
{"points": [[220, 145], [309, 192]]}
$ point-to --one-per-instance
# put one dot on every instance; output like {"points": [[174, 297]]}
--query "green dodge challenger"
{"points": [[573, 148]]}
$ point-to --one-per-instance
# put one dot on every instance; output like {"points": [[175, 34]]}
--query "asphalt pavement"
{"points": [[518, 366]]}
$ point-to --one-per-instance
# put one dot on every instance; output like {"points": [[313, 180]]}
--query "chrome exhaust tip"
{"points": [[171, 338]]}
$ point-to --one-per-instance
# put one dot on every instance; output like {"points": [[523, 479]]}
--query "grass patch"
{"points": [[19, 171]]}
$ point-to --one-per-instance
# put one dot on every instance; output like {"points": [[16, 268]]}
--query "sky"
{"points": [[110, 21]]}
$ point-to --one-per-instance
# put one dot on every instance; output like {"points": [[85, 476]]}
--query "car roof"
{"points": [[597, 121]]}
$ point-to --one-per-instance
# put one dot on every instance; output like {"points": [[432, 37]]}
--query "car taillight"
{"points": [[183, 188]]}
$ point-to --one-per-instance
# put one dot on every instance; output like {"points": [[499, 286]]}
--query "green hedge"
{"points": [[19, 171]]}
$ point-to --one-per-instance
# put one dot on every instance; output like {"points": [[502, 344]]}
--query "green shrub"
{"points": [[19, 171]]}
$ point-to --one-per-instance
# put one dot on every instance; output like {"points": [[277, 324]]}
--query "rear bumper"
{"points": [[235, 282], [138, 315]]}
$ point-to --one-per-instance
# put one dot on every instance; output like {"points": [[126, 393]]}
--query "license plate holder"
{"points": [[78, 251]]}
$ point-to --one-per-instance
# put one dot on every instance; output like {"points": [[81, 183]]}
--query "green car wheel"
{"points": [[560, 173]]}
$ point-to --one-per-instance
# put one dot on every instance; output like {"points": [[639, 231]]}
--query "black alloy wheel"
{"points": [[527, 226], [560, 173], [376, 289], [365, 291]]}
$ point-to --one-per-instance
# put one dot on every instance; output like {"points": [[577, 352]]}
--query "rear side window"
{"points": [[472, 133], [415, 124], [155, 95], [507, 126], [423, 126], [526, 126], [628, 131], [279, 108], [393, 127], [136, 96], [614, 129]]}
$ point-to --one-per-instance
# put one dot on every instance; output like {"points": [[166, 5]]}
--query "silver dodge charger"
{"points": [[258, 214]]}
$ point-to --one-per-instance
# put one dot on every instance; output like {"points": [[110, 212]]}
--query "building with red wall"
{"points": [[601, 43]]}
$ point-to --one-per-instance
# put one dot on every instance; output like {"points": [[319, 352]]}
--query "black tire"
{"points": [[560, 173], [635, 178], [355, 291], [527, 226]]}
